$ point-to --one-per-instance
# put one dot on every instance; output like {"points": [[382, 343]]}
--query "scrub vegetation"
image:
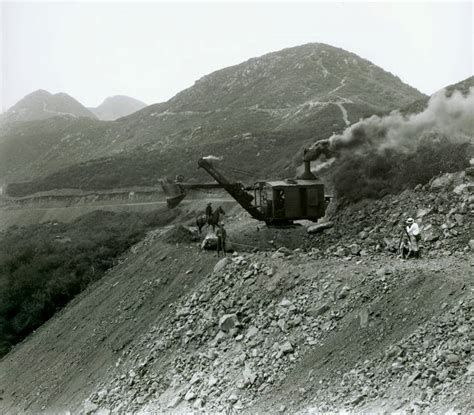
{"points": [[44, 266]]}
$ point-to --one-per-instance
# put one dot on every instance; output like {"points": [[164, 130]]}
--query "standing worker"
{"points": [[413, 232], [221, 237]]}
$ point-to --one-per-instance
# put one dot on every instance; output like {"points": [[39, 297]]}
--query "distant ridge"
{"points": [[116, 107], [257, 115], [41, 104]]}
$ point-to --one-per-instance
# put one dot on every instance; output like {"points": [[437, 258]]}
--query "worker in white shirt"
{"points": [[413, 232]]}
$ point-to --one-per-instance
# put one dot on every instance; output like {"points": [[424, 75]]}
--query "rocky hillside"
{"points": [[266, 108], [307, 75], [41, 104], [116, 107], [295, 322], [314, 86], [31, 147]]}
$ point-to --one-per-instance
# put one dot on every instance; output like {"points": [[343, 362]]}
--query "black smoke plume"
{"points": [[380, 155]]}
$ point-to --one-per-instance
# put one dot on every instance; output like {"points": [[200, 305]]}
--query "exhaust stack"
{"points": [[307, 175]]}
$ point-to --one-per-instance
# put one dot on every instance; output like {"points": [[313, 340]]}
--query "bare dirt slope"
{"points": [[58, 366]]}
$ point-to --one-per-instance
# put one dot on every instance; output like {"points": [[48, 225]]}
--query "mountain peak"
{"points": [[311, 73], [41, 104], [117, 106], [39, 93]]}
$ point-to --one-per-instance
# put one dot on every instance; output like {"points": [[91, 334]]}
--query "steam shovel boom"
{"points": [[236, 190]]}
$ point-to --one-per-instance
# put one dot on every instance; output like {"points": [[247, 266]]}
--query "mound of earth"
{"points": [[180, 234], [251, 237]]}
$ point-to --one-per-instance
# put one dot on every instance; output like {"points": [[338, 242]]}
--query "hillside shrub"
{"points": [[44, 266], [374, 174]]}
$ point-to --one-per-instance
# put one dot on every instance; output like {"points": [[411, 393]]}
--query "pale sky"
{"points": [[153, 50]]}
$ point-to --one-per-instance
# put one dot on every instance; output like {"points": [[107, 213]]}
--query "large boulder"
{"points": [[228, 322], [90, 407], [429, 235], [422, 212], [286, 347], [249, 376], [221, 265], [344, 292], [355, 249], [471, 245], [462, 188], [447, 180], [441, 182], [342, 251], [210, 241]]}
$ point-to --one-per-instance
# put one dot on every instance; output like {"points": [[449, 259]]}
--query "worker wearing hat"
{"points": [[413, 232]]}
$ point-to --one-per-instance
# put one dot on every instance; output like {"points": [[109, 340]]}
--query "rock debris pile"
{"points": [[444, 209], [426, 368], [243, 331], [234, 338]]}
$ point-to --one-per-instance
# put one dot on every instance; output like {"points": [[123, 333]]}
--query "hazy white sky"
{"points": [[153, 50]]}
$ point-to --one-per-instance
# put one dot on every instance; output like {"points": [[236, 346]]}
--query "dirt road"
{"points": [[31, 214]]}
